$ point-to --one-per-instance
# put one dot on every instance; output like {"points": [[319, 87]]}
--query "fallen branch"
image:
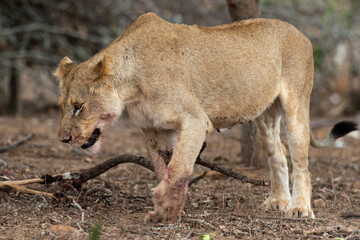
{"points": [[93, 172], [17, 143], [196, 179], [78, 178], [229, 172]]}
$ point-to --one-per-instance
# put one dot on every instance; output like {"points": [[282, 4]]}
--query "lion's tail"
{"points": [[339, 130]]}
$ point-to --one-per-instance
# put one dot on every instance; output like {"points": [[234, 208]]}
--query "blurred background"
{"points": [[36, 34]]}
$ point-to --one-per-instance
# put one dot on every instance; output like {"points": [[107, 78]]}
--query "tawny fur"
{"points": [[179, 82]]}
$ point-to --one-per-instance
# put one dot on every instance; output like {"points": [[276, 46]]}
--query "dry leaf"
{"points": [[62, 229]]}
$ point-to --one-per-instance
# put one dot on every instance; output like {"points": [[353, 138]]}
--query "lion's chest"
{"points": [[149, 115]]}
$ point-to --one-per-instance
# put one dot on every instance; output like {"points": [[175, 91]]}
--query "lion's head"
{"points": [[88, 101]]}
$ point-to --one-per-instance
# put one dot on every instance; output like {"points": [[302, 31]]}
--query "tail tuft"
{"points": [[342, 128]]}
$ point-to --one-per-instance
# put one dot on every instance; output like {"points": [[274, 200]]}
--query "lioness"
{"points": [[181, 82]]}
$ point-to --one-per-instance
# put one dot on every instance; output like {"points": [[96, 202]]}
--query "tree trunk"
{"points": [[243, 9], [251, 154], [14, 87]]}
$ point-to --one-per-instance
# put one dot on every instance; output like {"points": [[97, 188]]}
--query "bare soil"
{"points": [[119, 199]]}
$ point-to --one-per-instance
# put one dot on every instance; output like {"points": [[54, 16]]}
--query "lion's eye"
{"points": [[77, 108]]}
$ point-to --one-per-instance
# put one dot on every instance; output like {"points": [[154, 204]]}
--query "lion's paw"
{"points": [[169, 200], [300, 211], [277, 204]]}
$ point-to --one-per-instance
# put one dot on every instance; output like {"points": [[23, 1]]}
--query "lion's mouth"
{"points": [[92, 139]]}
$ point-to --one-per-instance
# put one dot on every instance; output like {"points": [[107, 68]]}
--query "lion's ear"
{"points": [[106, 66], [65, 66], [105, 71]]}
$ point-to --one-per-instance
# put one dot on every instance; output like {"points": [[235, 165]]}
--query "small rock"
{"points": [[195, 204], [88, 160], [5, 178], [62, 229], [3, 164], [345, 196], [53, 150], [319, 203], [356, 187], [297, 230], [337, 179], [339, 144], [223, 228]]}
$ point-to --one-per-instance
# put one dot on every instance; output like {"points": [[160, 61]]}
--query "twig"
{"points": [[196, 179], [43, 203], [356, 232], [350, 215], [200, 222], [7, 187], [51, 29], [24, 182], [135, 197], [75, 204], [98, 189], [46, 179], [332, 179], [17, 143], [229, 172], [275, 218]]}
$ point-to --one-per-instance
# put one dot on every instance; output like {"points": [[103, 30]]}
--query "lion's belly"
{"points": [[225, 113]]}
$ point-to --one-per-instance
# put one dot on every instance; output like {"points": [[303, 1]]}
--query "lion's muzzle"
{"points": [[64, 136], [66, 140]]}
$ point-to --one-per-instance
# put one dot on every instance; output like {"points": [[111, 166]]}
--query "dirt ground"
{"points": [[218, 206]]}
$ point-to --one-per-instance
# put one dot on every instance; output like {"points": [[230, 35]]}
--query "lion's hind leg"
{"points": [[268, 128], [296, 113]]}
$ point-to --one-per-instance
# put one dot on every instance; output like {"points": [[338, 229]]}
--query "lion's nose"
{"points": [[64, 136], [66, 140]]}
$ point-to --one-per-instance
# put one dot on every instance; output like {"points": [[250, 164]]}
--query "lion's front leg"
{"points": [[170, 194], [159, 144], [169, 200]]}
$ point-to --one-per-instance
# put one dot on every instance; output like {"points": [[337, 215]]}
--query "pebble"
{"points": [[319, 203], [3, 164], [297, 230], [356, 187]]}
